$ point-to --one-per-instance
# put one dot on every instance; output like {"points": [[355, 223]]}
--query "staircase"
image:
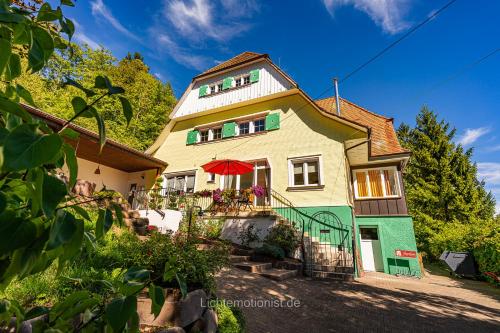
{"points": [[241, 259]]}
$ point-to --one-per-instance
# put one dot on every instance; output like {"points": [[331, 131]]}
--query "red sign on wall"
{"points": [[406, 253]]}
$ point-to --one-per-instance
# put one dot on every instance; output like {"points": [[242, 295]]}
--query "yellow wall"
{"points": [[304, 131], [114, 179]]}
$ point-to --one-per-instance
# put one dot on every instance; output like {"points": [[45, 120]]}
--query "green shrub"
{"points": [[285, 236], [230, 319], [249, 235], [271, 251], [212, 228]]}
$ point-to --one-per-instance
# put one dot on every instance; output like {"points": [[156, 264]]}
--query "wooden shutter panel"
{"points": [[227, 83], [192, 137], [229, 130], [272, 121], [203, 90], [254, 75]]}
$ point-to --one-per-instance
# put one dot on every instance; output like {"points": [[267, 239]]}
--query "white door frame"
{"points": [[371, 251]]}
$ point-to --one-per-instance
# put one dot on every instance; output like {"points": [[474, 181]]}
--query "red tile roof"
{"points": [[233, 62], [384, 140]]}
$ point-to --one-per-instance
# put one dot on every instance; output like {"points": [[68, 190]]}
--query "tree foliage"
{"points": [[40, 223], [450, 205], [151, 99]]}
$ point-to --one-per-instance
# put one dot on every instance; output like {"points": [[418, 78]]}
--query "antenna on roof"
{"points": [[337, 102]]}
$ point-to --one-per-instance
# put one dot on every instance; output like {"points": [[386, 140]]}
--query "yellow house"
{"points": [[335, 172]]}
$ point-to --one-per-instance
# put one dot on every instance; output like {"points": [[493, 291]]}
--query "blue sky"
{"points": [[316, 40]]}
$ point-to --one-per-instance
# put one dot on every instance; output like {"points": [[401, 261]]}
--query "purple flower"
{"points": [[258, 191]]}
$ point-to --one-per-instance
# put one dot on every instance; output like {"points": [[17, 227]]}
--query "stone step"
{"points": [[333, 275], [236, 259], [253, 267], [278, 274], [241, 252], [334, 268]]}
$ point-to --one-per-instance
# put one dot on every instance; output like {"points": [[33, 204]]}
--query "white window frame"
{"points": [[203, 130], [179, 174], [382, 176], [210, 177], [305, 160], [252, 127]]}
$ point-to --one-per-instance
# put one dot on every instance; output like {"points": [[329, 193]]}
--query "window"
{"points": [[181, 182], [305, 172], [210, 177], [217, 133], [244, 128], [212, 89], [376, 183], [259, 125], [238, 82], [204, 136], [246, 79], [219, 86]]}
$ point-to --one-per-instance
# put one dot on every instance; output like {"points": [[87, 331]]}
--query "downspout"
{"points": [[337, 102]]}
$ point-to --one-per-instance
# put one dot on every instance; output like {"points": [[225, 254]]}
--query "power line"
{"points": [[463, 70], [412, 30]]}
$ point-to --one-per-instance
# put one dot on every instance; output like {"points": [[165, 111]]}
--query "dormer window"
{"points": [[229, 83], [219, 87], [259, 125], [212, 89], [238, 82], [217, 133], [204, 136], [246, 79]]}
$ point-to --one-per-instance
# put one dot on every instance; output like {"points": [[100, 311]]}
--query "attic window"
{"points": [[227, 83], [219, 87], [212, 89], [246, 79]]}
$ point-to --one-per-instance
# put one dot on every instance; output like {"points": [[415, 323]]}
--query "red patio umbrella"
{"points": [[228, 167]]}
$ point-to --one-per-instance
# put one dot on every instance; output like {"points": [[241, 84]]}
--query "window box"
{"points": [[376, 183]]}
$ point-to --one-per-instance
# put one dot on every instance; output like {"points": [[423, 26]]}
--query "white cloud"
{"points": [[180, 55], [493, 148], [158, 76], [100, 9], [472, 134], [388, 14], [199, 20], [83, 38], [490, 173]]}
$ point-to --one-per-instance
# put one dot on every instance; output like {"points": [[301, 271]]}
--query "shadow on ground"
{"points": [[369, 305]]}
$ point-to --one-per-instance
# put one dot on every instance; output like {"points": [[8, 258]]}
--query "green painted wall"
{"points": [[395, 233]]}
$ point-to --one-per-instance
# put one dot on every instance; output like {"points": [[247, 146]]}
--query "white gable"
{"points": [[270, 82]]}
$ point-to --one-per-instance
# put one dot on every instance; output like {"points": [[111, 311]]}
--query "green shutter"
{"points": [[192, 137], [203, 90], [227, 83], [272, 121], [254, 76], [229, 130]]}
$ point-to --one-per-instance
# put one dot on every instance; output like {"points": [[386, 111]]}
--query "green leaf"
{"points": [[22, 34], [119, 311], [41, 49], [101, 127], [102, 82], [157, 299], [67, 3], [15, 233], [181, 280], [79, 104], [90, 240], [136, 274], [62, 231], [116, 90], [71, 82], [69, 133], [54, 190], [170, 269], [72, 248], [24, 148], [108, 220], [72, 164], [118, 213], [45, 13], [6, 48], [99, 227], [24, 94], [15, 109], [82, 212], [69, 302], [13, 68], [127, 109], [67, 26], [36, 186], [11, 18]]}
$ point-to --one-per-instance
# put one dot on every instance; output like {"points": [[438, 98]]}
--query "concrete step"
{"points": [[253, 267], [235, 259], [333, 275], [241, 252], [278, 274]]}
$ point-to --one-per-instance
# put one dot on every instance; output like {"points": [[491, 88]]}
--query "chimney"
{"points": [[337, 101]]}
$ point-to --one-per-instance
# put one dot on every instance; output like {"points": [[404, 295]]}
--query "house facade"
{"points": [[340, 170]]}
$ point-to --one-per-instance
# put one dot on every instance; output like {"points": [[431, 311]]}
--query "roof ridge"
{"points": [[231, 62], [358, 106]]}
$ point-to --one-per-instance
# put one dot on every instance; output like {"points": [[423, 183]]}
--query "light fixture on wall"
{"points": [[97, 171]]}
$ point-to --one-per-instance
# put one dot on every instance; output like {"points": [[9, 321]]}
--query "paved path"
{"points": [[375, 303]]}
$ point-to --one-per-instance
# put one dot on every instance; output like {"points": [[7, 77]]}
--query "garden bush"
{"points": [[285, 236], [249, 235], [229, 319], [271, 251]]}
